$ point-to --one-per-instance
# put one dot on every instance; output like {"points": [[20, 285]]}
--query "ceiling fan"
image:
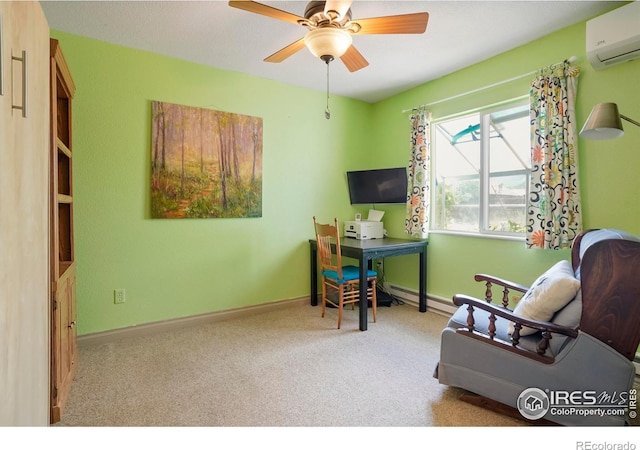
{"points": [[330, 29]]}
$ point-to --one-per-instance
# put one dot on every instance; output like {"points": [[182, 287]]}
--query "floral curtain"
{"points": [[418, 197], [553, 211]]}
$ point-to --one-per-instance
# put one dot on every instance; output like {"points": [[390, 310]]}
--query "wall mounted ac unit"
{"points": [[614, 37]]}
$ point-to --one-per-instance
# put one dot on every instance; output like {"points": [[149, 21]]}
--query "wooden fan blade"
{"points": [[341, 7], [353, 59], [402, 24], [265, 10], [284, 53]]}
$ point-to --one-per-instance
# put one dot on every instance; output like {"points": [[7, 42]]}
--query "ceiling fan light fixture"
{"points": [[328, 42]]}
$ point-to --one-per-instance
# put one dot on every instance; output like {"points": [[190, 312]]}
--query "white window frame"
{"points": [[483, 222]]}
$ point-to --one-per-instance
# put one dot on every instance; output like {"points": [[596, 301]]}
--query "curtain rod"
{"points": [[473, 91]]}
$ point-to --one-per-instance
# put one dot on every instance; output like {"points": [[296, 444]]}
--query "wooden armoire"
{"points": [[64, 352]]}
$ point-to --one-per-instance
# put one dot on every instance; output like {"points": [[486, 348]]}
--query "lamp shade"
{"points": [[328, 41], [603, 123]]}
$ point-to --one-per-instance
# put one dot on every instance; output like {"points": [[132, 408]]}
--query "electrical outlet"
{"points": [[118, 296]]}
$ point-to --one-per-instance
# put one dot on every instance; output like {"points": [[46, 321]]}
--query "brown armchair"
{"points": [[508, 362]]}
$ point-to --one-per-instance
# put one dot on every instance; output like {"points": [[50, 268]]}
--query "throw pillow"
{"points": [[549, 293]]}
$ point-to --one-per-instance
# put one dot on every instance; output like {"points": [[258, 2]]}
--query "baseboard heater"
{"points": [[440, 305], [436, 304]]}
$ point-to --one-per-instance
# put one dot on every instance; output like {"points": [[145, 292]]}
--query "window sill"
{"points": [[502, 237]]}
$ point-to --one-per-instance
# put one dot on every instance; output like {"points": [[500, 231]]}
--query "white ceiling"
{"points": [[459, 33]]}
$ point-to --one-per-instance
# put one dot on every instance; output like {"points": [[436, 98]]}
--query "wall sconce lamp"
{"points": [[604, 122]]}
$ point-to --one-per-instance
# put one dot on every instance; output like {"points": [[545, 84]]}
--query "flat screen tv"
{"points": [[378, 186]]}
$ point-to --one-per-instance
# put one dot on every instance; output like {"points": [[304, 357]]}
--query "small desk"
{"points": [[365, 251]]}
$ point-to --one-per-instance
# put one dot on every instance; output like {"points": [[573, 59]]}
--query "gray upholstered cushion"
{"points": [[569, 316]]}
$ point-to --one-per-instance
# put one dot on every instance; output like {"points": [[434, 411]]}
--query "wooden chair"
{"points": [[340, 284]]}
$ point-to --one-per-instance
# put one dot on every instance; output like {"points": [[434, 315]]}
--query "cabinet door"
{"points": [[24, 221], [64, 348], [64, 298]]}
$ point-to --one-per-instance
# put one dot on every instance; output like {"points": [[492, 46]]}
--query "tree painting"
{"points": [[205, 163]]}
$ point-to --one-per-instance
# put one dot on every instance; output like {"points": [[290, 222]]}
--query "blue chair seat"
{"points": [[349, 273]]}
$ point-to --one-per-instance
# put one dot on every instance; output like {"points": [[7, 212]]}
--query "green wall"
{"points": [[610, 185], [180, 267]]}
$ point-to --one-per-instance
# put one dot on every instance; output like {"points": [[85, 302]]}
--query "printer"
{"points": [[363, 229], [371, 228]]}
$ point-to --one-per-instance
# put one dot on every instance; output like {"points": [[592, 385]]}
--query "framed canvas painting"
{"points": [[204, 163]]}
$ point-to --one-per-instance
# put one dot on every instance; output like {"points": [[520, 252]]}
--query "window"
{"points": [[482, 163]]}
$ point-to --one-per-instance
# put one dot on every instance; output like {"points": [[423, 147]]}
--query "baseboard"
{"points": [[150, 328], [439, 305]]}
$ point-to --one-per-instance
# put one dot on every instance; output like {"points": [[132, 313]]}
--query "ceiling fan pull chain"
{"points": [[327, 113]]}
